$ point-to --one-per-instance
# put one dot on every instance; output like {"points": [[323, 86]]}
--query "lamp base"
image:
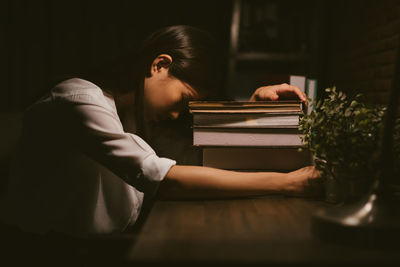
{"points": [[373, 221]]}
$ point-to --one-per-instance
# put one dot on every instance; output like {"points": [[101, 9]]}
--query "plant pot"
{"points": [[341, 187]]}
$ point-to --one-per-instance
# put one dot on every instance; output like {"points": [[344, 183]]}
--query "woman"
{"points": [[81, 169]]}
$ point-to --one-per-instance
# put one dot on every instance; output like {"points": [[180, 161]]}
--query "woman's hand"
{"points": [[304, 182], [274, 92]]}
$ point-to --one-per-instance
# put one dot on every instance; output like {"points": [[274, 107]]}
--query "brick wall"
{"points": [[361, 44]]}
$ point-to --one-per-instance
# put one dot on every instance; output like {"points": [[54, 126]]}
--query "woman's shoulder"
{"points": [[77, 90], [75, 86]]}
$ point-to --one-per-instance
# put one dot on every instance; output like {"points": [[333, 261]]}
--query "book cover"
{"points": [[247, 120], [237, 107], [311, 92]]}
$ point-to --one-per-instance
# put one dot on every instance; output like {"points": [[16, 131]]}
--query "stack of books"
{"points": [[259, 135]]}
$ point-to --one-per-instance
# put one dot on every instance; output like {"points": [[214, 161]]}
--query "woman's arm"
{"points": [[203, 182]]}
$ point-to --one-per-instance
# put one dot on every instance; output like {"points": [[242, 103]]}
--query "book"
{"points": [[247, 120], [261, 124], [251, 158], [257, 137], [245, 107], [311, 92]]}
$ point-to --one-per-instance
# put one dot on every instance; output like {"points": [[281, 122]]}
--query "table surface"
{"points": [[272, 229]]}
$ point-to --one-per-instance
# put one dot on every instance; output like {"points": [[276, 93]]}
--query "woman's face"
{"points": [[164, 95]]}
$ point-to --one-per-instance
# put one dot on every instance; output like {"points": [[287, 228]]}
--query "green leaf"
{"points": [[345, 132]]}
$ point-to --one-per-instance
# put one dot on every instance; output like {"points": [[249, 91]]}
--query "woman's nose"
{"points": [[174, 115]]}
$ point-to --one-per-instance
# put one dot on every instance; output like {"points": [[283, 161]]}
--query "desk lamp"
{"points": [[374, 220]]}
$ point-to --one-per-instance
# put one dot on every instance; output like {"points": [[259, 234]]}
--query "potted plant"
{"points": [[343, 136]]}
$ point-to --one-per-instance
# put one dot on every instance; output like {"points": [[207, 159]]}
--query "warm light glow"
{"points": [[357, 217]]}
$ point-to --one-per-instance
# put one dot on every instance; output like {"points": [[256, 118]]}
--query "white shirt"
{"points": [[76, 170]]}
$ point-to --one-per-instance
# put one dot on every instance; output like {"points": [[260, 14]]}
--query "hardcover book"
{"points": [[247, 120], [260, 124], [269, 114], [258, 137], [245, 107], [311, 91]]}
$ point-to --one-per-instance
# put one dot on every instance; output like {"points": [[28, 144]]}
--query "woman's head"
{"points": [[171, 61], [176, 64], [165, 96]]}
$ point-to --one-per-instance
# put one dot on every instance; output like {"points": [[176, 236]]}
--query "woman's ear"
{"points": [[161, 62]]}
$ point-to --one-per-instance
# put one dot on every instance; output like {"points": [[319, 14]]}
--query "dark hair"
{"points": [[194, 56], [195, 61]]}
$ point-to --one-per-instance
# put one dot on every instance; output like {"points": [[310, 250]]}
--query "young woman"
{"points": [[81, 166]]}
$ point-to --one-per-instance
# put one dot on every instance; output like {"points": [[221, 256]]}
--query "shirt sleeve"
{"points": [[97, 131]]}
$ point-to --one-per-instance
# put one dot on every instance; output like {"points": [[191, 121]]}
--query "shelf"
{"points": [[271, 37], [260, 56]]}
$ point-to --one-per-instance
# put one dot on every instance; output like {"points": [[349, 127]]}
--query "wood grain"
{"points": [[266, 230]]}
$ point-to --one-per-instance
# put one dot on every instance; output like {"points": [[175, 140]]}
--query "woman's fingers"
{"points": [[305, 182], [274, 92], [291, 90]]}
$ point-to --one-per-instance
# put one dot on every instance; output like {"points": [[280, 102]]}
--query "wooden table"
{"points": [[258, 231]]}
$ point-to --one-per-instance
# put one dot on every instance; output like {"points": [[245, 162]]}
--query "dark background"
{"points": [[42, 41], [46, 40]]}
